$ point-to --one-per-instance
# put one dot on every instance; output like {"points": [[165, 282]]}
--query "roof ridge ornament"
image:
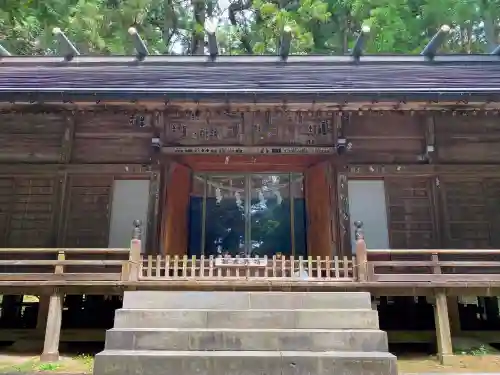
{"points": [[437, 40], [285, 43], [357, 50], [139, 45], [210, 29], [67, 48]]}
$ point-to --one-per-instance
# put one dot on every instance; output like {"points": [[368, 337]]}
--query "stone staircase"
{"points": [[245, 333]]}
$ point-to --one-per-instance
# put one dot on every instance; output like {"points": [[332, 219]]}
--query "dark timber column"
{"points": [[175, 211], [321, 236]]}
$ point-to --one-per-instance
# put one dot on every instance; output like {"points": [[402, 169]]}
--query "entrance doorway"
{"points": [[247, 214]]}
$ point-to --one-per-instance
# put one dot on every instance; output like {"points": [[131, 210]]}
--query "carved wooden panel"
{"points": [[27, 211], [292, 128], [204, 128], [31, 137], [410, 213], [253, 128], [112, 138], [88, 208]]}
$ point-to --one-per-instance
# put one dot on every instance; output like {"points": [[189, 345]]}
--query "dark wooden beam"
{"points": [[95, 169]]}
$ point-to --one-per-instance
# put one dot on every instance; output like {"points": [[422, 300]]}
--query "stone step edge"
{"points": [[227, 353], [245, 310], [244, 330]]}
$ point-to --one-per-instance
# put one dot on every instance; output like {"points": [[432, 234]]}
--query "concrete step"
{"points": [[278, 319], [246, 339], [245, 300], [112, 362]]}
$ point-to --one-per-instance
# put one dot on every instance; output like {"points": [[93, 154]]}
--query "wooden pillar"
{"points": [[53, 330], [321, 241], [443, 332], [43, 311], [175, 211]]}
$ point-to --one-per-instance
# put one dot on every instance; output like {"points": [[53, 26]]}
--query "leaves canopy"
{"points": [[248, 26]]}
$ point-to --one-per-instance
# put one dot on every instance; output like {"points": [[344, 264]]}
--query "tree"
{"points": [[248, 26]]}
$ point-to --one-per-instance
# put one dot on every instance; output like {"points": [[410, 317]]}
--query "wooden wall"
{"points": [[57, 171], [57, 168], [446, 199]]}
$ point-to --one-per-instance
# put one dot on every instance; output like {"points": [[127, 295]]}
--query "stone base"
{"points": [[243, 363]]}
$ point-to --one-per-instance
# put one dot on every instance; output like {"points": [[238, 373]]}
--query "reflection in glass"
{"points": [[225, 215], [195, 215], [298, 215], [247, 215], [270, 219]]}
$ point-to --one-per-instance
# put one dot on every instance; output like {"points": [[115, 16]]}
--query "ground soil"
{"points": [[462, 364]]}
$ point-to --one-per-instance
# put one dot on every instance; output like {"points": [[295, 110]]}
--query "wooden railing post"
{"points": [[361, 255], [135, 252]]}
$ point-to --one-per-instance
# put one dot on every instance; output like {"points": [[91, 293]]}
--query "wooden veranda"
{"points": [[56, 272]]}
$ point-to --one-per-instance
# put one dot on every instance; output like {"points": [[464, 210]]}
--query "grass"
{"points": [[80, 364]]}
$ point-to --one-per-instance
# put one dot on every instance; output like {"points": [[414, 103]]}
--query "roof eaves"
{"points": [[347, 96]]}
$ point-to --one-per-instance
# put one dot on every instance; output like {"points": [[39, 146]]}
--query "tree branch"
{"points": [[240, 6]]}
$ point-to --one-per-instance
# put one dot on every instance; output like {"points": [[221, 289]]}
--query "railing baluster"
{"points": [[346, 267], [202, 266], [310, 266], [301, 266], [355, 269], [257, 269], [193, 266], [184, 266], [219, 272], [150, 266], [176, 267], [274, 265], [167, 266], [211, 266], [337, 266], [158, 266], [328, 268], [237, 268], [319, 269]]}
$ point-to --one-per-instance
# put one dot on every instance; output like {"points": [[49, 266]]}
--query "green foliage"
{"points": [[318, 26]]}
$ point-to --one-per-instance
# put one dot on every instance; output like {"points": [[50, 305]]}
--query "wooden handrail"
{"points": [[56, 262], [433, 251], [66, 250]]}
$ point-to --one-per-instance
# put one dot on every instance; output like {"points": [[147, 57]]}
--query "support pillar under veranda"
{"points": [[53, 329], [443, 331]]}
